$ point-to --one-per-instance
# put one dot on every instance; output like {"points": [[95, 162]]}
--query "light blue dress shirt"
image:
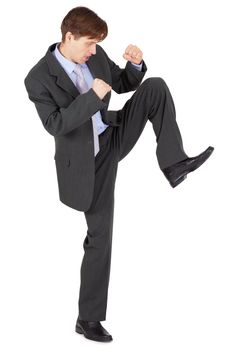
{"points": [[69, 66]]}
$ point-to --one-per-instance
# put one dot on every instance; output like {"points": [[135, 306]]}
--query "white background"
{"points": [[167, 286]]}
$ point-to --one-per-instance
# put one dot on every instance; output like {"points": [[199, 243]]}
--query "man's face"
{"points": [[79, 50]]}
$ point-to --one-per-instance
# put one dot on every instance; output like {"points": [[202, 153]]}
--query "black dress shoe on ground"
{"points": [[177, 172], [92, 330]]}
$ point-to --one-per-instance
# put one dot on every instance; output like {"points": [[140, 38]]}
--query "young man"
{"points": [[71, 89]]}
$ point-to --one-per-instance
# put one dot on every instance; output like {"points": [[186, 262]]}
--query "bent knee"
{"points": [[155, 81]]}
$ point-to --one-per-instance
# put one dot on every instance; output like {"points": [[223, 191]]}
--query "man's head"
{"points": [[81, 29]]}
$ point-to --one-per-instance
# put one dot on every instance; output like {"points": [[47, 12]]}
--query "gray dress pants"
{"points": [[151, 101]]}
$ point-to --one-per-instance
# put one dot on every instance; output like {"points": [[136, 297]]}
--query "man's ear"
{"points": [[69, 36]]}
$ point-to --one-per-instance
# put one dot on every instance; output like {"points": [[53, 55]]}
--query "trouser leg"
{"points": [[95, 268], [152, 101]]}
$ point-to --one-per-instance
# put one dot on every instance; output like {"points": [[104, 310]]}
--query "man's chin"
{"points": [[83, 59]]}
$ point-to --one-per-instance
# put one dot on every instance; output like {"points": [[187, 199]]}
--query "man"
{"points": [[71, 89]]}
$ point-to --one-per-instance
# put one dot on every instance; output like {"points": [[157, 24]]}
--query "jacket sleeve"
{"points": [[60, 121], [125, 79]]}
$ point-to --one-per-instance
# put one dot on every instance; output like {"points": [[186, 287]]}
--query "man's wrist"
{"points": [[138, 63]]}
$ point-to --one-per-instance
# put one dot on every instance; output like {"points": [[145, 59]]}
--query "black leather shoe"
{"points": [[177, 172], [92, 330]]}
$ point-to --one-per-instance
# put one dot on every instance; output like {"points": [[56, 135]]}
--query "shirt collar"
{"points": [[68, 65]]}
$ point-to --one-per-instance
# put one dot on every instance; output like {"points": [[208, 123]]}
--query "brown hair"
{"points": [[81, 21]]}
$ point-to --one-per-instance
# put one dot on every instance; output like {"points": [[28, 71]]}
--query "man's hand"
{"points": [[100, 87], [133, 54]]}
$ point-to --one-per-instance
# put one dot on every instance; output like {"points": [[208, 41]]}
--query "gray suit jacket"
{"points": [[66, 115]]}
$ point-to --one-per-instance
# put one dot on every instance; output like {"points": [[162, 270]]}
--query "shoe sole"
{"points": [[182, 178]]}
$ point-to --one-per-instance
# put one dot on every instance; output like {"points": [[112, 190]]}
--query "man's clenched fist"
{"points": [[133, 54], [101, 88]]}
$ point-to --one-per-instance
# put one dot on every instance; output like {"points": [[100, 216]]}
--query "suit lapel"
{"points": [[55, 69], [95, 66]]}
